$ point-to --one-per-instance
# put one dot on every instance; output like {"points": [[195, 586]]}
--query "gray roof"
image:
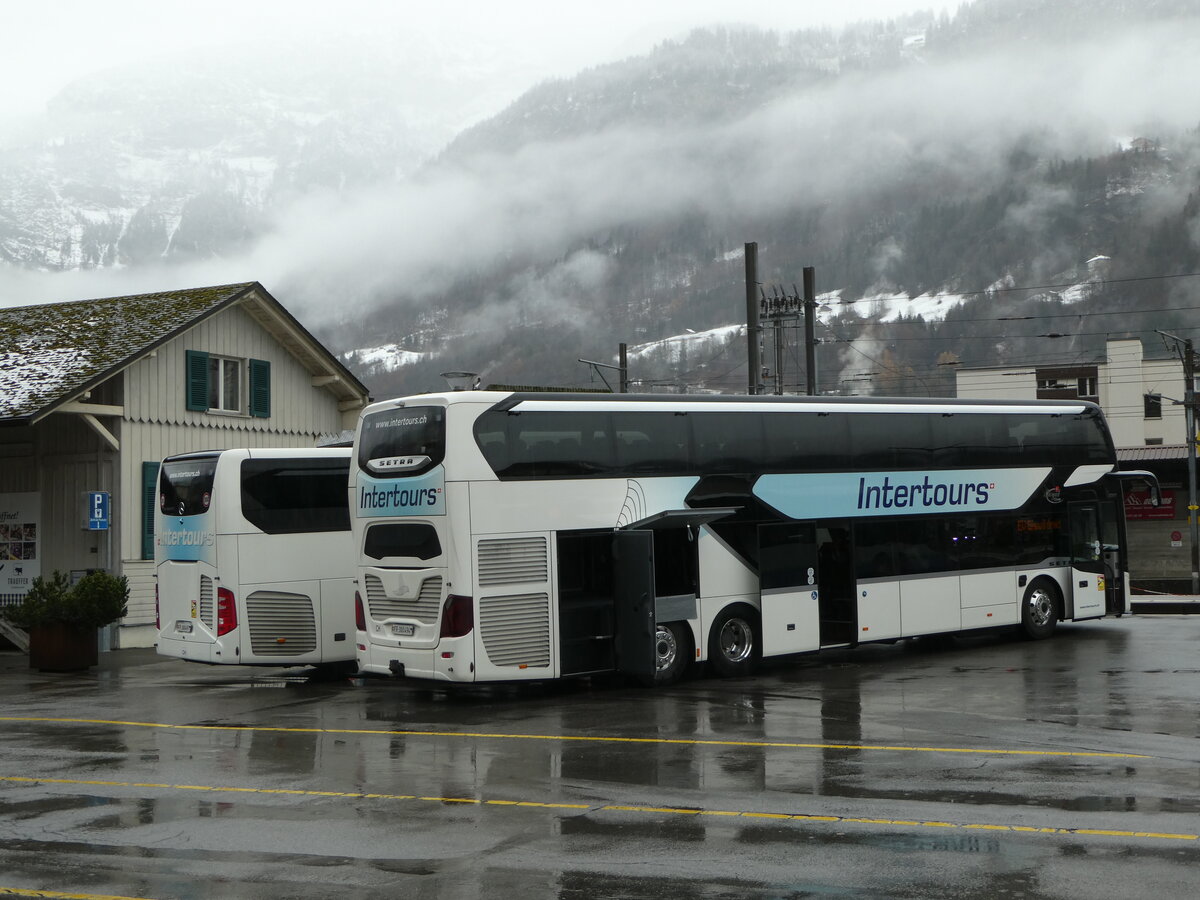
{"points": [[52, 353], [1152, 452]]}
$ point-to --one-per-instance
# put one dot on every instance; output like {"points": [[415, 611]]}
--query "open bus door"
{"points": [[657, 601], [1114, 533], [633, 587], [1115, 559], [1090, 588]]}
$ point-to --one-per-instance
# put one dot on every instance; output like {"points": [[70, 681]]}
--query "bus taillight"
{"points": [[226, 611], [360, 614], [457, 616]]}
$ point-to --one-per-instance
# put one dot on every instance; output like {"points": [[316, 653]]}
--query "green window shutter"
{"points": [[149, 500], [197, 380], [260, 388]]}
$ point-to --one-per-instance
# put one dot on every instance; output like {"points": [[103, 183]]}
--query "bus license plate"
{"points": [[404, 630], [184, 627]]}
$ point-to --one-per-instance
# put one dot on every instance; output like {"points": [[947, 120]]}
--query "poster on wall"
{"points": [[20, 544], [1138, 506]]}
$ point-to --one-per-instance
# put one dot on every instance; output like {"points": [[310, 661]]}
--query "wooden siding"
{"points": [[66, 544], [141, 596], [18, 464], [155, 385]]}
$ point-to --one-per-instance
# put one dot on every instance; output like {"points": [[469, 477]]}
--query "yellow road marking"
{"points": [[60, 895], [612, 807], [690, 742]]}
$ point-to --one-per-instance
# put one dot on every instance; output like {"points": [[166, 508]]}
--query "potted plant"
{"points": [[62, 618]]}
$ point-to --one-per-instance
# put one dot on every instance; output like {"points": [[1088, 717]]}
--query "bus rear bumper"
{"points": [[192, 651], [397, 662]]}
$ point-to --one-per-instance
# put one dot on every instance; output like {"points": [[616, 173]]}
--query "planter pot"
{"points": [[62, 648]]}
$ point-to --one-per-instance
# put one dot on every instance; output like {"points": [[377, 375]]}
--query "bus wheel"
{"points": [[1039, 609], [733, 641], [672, 653]]}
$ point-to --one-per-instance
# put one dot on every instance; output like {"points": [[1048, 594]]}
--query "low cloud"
{"points": [[334, 257]]}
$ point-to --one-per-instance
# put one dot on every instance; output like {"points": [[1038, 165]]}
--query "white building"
{"points": [[94, 393], [1142, 401], [1141, 398]]}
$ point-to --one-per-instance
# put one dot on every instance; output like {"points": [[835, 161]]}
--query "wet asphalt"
{"points": [[978, 766]]}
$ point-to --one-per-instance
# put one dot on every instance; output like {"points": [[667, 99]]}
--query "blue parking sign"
{"points": [[97, 510]]}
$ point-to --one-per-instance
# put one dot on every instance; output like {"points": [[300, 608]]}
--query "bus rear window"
{"points": [[294, 496], [185, 486], [402, 441], [408, 539]]}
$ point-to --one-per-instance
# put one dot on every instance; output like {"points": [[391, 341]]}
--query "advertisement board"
{"points": [[20, 544], [1138, 507]]}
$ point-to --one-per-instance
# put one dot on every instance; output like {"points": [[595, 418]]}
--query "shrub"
{"points": [[99, 599], [95, 600]]}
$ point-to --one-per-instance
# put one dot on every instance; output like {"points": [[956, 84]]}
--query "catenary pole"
{"points": [[753, 329], [1189, 405], [810, 341]]}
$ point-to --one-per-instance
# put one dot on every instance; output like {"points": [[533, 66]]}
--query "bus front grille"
{"points": [[425, 607], [204, 608], [516, 629], [513, 561], [281, 624]]}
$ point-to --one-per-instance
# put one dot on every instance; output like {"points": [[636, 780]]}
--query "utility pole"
{"points": [[777, 333], [1189, 405], [782, 308], [1187, 354], [810, 317], [753, 329]]}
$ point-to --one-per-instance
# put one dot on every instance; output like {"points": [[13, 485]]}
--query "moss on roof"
{"points": [[51, 352]]}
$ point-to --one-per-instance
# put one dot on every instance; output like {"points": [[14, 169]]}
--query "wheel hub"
{"points": [[665, 648], [1041, 607], [736, 641]]}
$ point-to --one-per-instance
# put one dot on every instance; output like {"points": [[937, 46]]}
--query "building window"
{"points": [[1153, 405], [224, 384], [1087, 386], [1153, 442], [228, 385]]}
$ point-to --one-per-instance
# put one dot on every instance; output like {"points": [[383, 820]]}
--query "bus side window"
{"points": [[596, 453], [495, 450], [874, 550]]}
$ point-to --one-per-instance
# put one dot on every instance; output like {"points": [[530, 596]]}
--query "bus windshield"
{"points": [[403, 441], [185, 486]]}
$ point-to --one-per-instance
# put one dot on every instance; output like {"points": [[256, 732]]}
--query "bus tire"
{"points": [[1040, 609], [672, 653], [733, 641]]}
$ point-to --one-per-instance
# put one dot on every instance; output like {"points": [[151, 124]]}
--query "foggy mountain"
{"points": [[137, 165], [961, 185]]}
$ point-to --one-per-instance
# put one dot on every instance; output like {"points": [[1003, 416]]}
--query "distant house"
{"points": [[1143, 145], [1099, 267], [94, 393]]}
